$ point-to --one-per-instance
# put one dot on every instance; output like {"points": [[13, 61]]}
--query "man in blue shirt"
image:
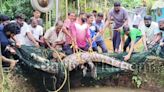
{"points": [[98, 38], [9, 31], [4, 21], [93, 31]]}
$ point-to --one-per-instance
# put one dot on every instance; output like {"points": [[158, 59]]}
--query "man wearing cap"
{"points": [[120, 18], [150, 31], [4, 21]]}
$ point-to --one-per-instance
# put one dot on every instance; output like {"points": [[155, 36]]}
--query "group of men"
{"points": [[18, 32], [150, 32], [84, 32]]}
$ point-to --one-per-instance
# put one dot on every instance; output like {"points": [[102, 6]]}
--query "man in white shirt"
{"points": [[150, 31], [36, 30], [55, 37], [137, 20], [25, 34]]}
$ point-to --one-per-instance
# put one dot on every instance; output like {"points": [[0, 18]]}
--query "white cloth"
{"points": [[52, 36], [149, 32], [137, 19], [36, 32], [22, 36]]}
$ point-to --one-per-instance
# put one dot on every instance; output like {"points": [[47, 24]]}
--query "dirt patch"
{"points": [[17, 83], [107, 89], [138, 46]]}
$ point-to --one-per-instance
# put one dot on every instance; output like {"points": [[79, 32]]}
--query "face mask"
{"points": [[147, 25]]}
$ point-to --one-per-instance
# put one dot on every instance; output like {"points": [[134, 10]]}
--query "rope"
{"points": [[65, 73], [45, 83]]}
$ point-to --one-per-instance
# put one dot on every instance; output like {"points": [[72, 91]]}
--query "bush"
{"points": [[14, 7]]}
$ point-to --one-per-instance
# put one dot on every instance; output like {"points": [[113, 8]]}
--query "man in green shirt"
{"points": [[134, 35]]}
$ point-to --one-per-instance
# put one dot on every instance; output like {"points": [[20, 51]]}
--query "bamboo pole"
{"points": [[46, 20], [78, 4], [49, 19], [57, 10], [66, 5], [105, 8], [85, 5]]}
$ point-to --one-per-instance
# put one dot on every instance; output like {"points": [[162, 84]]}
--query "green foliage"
{"points": [[131, 3], [137, 80], [149, 6], [14, 7]]}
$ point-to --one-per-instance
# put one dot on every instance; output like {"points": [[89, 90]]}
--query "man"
{"points": [[9, 31], [36, 30], [55, 37], [120, 18], [4, 21], [71, 18], [161, 27], [25, 34], [134, 35], [98, 38], [94, 12], [36, 16], [67, 24], [81, 34], [150, 31], [93, 31], [137, 19]]}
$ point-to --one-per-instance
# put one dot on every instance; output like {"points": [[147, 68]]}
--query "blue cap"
{"points": [[147, 17], [4, 18]]}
